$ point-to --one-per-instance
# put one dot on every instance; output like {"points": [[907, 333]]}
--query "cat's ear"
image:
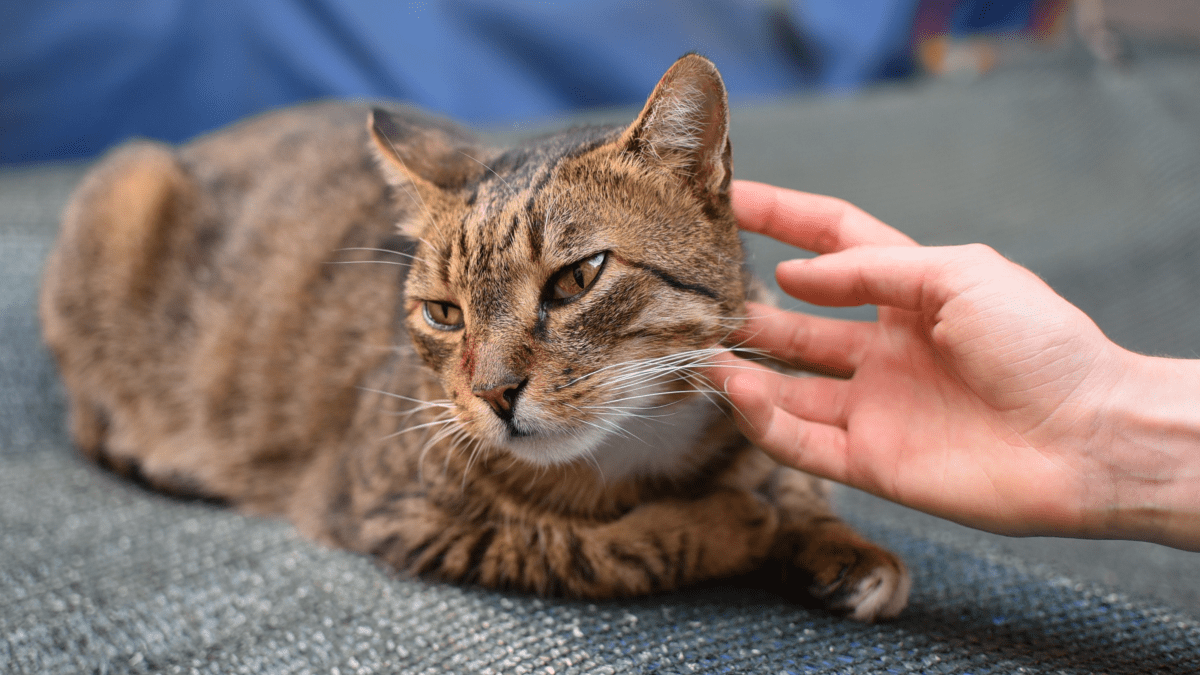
{"points": [[419, 151], [684, 126], [420, 156]]}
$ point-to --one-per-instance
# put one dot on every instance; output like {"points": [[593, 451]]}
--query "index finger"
{"points": [[814, 222]]}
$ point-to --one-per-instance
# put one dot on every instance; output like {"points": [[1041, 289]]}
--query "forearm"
{"points": [[1150, 449]]}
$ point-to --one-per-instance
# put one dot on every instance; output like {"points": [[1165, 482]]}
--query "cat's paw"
{"points": [[854, 577]]}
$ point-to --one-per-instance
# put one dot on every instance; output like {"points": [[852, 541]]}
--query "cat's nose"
{"points": [[501, 397]]}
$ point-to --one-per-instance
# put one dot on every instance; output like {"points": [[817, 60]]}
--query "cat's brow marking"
{"points": [[535, 241], [670, 280], [547, 174], [510, 234]]}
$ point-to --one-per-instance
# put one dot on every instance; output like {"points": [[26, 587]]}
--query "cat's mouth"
{"points": [[544, 449], [634, 444], [639, 411], [631, 439], [515, 431], [542, 434]]}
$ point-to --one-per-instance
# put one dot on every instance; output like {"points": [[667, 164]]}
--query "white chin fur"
{"points": [[661, 442]]}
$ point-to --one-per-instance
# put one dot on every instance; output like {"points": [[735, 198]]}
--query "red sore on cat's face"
{"points": [[570, 285]]}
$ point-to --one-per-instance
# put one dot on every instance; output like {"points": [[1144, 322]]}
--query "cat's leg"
{"points": [[655, 547], [99, 283], [87, 426], [821, 557]]}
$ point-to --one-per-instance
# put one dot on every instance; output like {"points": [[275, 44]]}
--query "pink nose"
{"points": [[501, 397]]}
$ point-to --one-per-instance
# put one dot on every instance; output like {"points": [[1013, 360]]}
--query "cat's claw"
{"points": [[856, 578], [879, 594]]}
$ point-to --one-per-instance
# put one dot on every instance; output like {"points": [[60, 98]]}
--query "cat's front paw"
{"points": [[849, 575]]}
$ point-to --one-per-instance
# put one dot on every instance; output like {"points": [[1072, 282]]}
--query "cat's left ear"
{"points": [[422, 156], [684, 126]]}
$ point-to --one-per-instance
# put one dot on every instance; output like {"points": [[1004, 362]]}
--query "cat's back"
{"points": [[312, 145], [226, 297]]}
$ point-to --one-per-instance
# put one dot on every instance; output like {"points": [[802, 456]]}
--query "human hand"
{"points": [[979, 395]]}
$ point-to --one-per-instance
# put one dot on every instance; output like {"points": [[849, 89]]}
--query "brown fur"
{"points": [[244, 318]]}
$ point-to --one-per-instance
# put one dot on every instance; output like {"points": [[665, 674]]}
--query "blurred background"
{"points": [[77, 77]]}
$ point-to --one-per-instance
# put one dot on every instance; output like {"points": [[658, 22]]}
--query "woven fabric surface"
{"points": [[99, 576]]}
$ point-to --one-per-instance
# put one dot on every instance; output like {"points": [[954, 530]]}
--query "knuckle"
{"points": [[978, 248], [962, 266], [827, 240], [844, 208], [799, 341], [981, 262], [982, 253]]}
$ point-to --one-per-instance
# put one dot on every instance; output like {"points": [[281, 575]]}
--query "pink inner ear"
{"points": [[714, 136], [684, 124], [411, 151]]}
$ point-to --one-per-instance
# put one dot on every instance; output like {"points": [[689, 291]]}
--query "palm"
{"points": [[913, 408], [945, 400]]}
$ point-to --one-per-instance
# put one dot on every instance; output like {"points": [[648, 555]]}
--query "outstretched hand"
{"points": [[979, 394]]}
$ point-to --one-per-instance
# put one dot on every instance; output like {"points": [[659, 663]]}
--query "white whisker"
{"points": [[382, 250], [629, 369], [655, 393], [442, 403], [510, 187], [367, 262], [630, 408], [431, 442], [419, 426]]}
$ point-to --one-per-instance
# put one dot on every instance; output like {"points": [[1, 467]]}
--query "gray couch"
{"points": [[1089, 176]]}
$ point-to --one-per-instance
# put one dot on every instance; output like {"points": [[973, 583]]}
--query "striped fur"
{"points": [[477, 364]]}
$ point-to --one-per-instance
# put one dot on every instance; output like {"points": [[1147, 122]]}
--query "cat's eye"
{"points": [[574, 279], [443, 315]]}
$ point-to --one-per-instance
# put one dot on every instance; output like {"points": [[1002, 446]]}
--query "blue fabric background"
{"points": [[77, 76]]}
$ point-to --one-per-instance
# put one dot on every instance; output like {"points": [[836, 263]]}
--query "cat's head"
{"points": [[564, 287]]}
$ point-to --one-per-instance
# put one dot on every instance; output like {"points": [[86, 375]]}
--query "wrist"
{"points": [[1149, 454]]}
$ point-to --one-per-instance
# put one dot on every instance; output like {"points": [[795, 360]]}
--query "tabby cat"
{"points": [[478, 365]]}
